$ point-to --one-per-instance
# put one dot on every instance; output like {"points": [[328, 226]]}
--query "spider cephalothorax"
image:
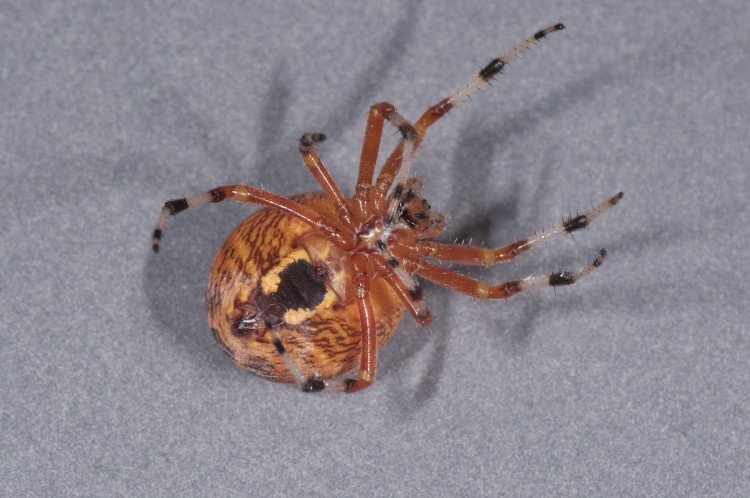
{"points": [[311, 287]]}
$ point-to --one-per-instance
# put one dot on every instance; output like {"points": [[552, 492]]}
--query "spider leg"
{"points": [[309, 385], [244, 193], [370, 146], [323, 177], [484, 256], [406, 287], [369, 348], [400, 159], [480, 290], [402, 154], [479, 80]]}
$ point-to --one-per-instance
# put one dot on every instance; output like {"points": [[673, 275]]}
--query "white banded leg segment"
{"points": [[488, 72], [396, 169], [252, 195], [311, 385], [406, 285], [402, 173], [480, 290], [457, 253], [288, 361], [409, 138], [479, 80], [572, 224], [174, 206], [563, 277]]}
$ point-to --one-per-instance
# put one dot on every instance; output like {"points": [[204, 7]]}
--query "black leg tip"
{"points": [[600, 259], [156, 237], [616, 198], [307, 140], [313, 386]]}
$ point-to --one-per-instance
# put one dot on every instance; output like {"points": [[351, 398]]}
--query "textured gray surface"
{"points": [[633, 382]]}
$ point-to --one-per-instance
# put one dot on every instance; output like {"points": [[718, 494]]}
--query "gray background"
{"points": [[633, 382]]}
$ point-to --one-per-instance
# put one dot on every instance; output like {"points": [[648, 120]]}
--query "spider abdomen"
{"points": [[275, 271]]}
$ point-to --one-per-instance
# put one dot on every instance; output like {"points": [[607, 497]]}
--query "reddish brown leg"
{"points": [[485, 256], [252, 195], [369, 351], [480, 290], [402, 155], [434, 113], [323, 177], [370, 149], [369, 348]]}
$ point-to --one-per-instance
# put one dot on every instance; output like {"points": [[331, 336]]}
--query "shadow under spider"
{"points": [[175, 290]]}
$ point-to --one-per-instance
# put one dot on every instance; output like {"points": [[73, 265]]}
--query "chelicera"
{"points": [[309, 288]]}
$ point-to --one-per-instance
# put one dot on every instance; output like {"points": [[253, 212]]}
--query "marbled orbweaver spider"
{"points": [[310, 287]]}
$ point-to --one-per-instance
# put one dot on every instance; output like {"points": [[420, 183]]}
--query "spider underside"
{"points": [[386, 226]]}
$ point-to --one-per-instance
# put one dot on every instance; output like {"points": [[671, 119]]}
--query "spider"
{"points": [[309, 288]]}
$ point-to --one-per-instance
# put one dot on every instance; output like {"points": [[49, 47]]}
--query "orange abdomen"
{"points": [[317, 320]]}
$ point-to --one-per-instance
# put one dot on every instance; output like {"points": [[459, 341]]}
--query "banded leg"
{"points": [[369, 348], [484, 256], [460, 94], [480, 290], [244, 193], [307, 385], [406, 288], [323, 177], [402, 155], [479, 80]]}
